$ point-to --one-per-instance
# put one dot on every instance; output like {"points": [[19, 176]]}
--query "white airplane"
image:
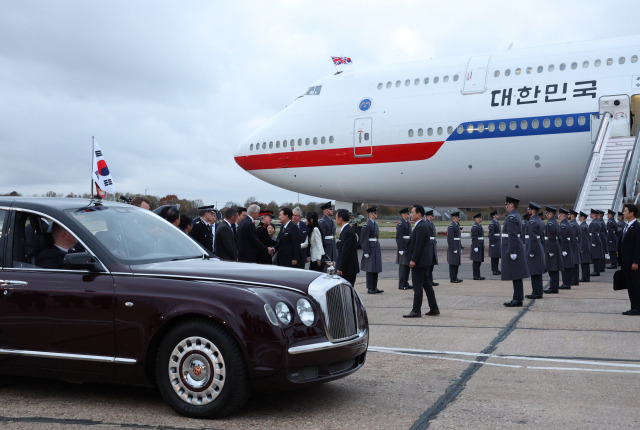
{"points": [[462, 131]]}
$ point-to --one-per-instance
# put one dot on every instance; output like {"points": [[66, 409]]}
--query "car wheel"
{"points": [[201, 371]]}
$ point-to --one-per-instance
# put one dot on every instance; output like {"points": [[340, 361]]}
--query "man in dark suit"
{"points": [[288, 241], [629, 249], [347, 260], [265, 237], [403, 231], [204, 227], [225, 243], [304, 232], [52, 257], [420, 256], [249, 244]]}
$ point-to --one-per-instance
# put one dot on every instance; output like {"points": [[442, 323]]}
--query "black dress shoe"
{"points": [[403, 288], [378, 291], [433, 313], [602, 270], [631, 312], [533, 296], [497, 272], [371, 291], [412, 315], [612, 267], [513, 304], [456, 281], [478, 278], [551, 291], [585, 280], [594, 274], [434, 284], [564, 287], [575, 283]]}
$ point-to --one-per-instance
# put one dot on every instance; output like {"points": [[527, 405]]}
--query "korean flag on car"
{"points": [[100, 171]]}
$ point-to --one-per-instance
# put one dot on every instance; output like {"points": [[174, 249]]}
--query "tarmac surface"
{"points": [[568, 361]]}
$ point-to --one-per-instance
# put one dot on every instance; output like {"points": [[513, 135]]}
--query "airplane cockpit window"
{"points": [[314, 91], [634, 59]]}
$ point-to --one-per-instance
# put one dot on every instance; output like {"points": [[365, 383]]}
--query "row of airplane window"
{"points": [[563, 66], [529, 70], [292, 143], [502, 126], [417, 81]]}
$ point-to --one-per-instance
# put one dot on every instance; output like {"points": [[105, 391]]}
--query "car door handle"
{"points": [[10, 283]]}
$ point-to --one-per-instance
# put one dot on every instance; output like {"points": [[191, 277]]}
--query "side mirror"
{"points": [[81, 261]]}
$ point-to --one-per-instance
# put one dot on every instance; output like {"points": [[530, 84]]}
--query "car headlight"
{"points": [[305, 311], [271, 315], [283, 312]]}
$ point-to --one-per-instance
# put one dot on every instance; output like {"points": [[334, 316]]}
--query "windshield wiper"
{"points": [[187, 258]]}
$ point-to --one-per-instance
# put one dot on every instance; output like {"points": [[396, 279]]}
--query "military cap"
{"points": [[563, 211], [429, 212], [573, 212], [372, 209], [327, 205], [534, 206], [610, 212], [584, 214], [550, 209], [456, 213], [494, 213], [620, 214], [209, 208], [508, 199], [478, 215], [405, 211], [594, 211], [267, 213]]}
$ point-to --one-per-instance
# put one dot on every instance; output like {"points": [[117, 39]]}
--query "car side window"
{"points": [[30, 236], [3, 239]]}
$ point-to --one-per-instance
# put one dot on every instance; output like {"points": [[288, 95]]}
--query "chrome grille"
{"points": [[340, 312]]}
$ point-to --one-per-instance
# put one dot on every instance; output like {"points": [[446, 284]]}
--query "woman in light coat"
{"points": [[314, 243]]}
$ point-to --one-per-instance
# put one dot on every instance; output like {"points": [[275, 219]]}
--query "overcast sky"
{"points": [[169, 88]]}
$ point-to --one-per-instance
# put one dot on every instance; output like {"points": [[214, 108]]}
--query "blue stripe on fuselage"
{"points": [[519, 131]]}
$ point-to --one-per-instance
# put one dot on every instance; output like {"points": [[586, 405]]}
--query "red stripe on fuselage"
{"points": [[338, 157]]}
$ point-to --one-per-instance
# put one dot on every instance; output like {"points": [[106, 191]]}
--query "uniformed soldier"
{"points": [[612, 240], [596, 243], [535, 251], [477, 246], [494, 243], [565, 249], [328, 230], [433, 237], [585, 247], [454, 247], [203, 230], [553, 257], [575, 245], [514, 263], [403, 233], [525, 226], [604, 253], [371, 262], [620, 226]]}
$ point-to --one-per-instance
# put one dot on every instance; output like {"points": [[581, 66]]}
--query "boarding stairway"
{"points": [[611, 176]]}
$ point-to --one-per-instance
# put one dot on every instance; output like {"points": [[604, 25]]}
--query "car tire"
{"points": [[201, 371]]}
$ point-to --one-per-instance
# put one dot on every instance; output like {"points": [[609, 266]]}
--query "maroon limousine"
{"points": [[136, 301]]}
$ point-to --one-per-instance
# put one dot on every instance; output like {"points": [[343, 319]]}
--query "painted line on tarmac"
{"points": [[428, 352], [389, 351], [583, 369]]}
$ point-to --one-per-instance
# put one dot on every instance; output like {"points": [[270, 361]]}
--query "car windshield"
{"points": [[136, 236]]}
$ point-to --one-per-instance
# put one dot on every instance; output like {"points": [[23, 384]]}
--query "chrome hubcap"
{"points": [[197, 370]]}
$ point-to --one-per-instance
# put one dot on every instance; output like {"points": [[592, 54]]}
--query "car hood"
{"points": [[226, 271]]}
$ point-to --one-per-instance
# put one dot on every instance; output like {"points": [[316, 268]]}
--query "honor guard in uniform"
{"points": [[535, 251], [419, 258], [621, 225], [525, 226], [575, 246], [494, 243], [553, 257], [603, 239], [514, 263], [454, 247], [371, 262], [585, 247], [612, 240], [203, 229], [477, 246], [433, 238], [328, 230], [403, 232], [565, 249], [596, 243], [265, 238]]}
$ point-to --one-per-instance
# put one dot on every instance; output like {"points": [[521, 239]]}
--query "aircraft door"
{"points": [[620, 109], [475, 80], [362, 137], [635, 114]]}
